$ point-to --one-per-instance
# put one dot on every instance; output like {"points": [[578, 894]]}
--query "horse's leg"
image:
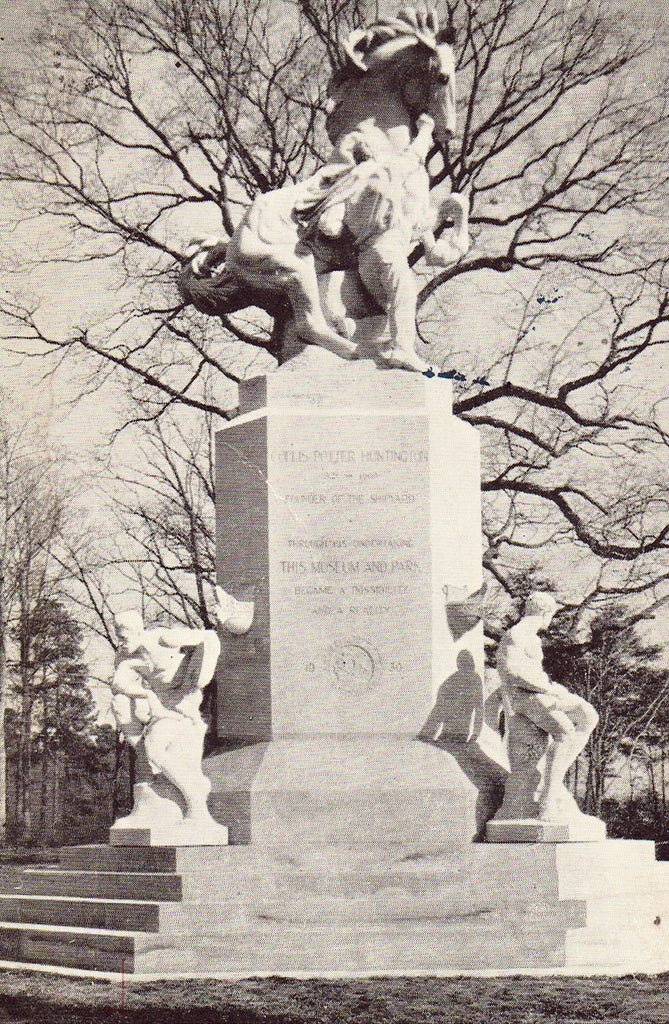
{"points": [[390, 280], [334, 289], [289, 267]]}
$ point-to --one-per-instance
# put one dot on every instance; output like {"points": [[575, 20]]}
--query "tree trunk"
{"points": [[55, 815], [44, 788], [663, 784], [3, 752], [24, 763], [44, 766]]}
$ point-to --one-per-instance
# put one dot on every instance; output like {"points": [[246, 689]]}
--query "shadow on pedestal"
{"points": [[442, 785]]}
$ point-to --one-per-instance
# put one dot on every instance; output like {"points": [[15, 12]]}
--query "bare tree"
{"points": [[164, 507], [34, 518], [615, 670], [153, 545], [149, 118]]}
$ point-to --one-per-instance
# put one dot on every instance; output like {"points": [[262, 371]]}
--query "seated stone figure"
{"points": [[159, 676], [562, 721]]}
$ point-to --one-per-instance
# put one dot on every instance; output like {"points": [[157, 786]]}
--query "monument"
{"points": [[338, 825], [339, 515], [336, 509]]}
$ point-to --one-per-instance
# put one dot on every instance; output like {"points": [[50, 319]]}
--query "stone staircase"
{"points": [[341, 910]]}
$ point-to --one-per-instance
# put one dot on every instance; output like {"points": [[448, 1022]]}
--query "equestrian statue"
{"points": [[334, 249]]}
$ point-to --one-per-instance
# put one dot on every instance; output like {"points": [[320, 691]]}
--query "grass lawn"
{"points": [[36, 999]]}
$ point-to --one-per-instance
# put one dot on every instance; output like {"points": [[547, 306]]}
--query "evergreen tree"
{"points": [[620, 675], [55, 758]]}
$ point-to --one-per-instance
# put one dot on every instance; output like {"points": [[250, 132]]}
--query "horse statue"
{"points": [[335, 247]]}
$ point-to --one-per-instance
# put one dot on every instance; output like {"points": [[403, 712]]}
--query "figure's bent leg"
{"points": [[290, 267], [176, 749], [310, 323], [569, 736], [391, 282]]}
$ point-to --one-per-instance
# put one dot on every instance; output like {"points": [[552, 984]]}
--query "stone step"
{"points": [[95, 884], [117, 858], [329, 877], [472, 878], [83, 948], [614, 947], [531, 939], [612, 912], [213, 918], [613, 855], [114, 915], [483, 942], [497, 942]]}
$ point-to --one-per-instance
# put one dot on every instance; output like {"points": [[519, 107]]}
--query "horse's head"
{"points": [[411, 58]]}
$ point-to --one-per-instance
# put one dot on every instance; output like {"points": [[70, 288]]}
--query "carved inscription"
{"points": [[350, 568], [349, 572]]}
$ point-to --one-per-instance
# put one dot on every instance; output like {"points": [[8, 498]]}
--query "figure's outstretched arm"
{"points": [[182, 636]]}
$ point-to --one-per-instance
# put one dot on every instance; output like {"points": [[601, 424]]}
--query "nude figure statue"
{"points": [[159, 676], [567, 719]]}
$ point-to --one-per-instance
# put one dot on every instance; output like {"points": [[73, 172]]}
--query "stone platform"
{"points": [[336, 910], [182, 834]]}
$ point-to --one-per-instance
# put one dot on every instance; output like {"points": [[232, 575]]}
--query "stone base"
{"points": [[342, 911], [356, 790], [185, 833], [533, 830]]}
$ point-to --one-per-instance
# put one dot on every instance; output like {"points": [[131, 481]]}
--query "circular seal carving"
{"points": [[354, 664]]}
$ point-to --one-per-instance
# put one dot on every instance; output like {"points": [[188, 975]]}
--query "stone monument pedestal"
{"points": [[347, 499], [356, 753]]}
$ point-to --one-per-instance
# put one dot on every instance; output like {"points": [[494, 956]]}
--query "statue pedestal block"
{"points": [[346, 501], [184, 834], [532, 830], [157, 818]]}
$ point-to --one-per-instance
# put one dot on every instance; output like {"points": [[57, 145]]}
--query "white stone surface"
{"points": [[159, 676], [547, 727], [184, 833], [532, 830]]}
